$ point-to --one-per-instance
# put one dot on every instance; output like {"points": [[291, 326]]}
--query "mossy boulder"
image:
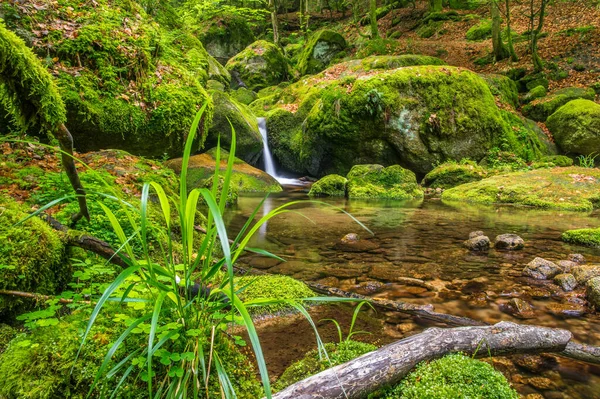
{"points": [[504, 88], [542, 108], [248, 139], [454, 376], [571, 188], [134, 85], [330, 186], [275, 287], [260, 65], [412, 116], [245, 178], [529, 82], [585, 237], [376, 181], [313, 363], [558, 160], [452, 174], [481, 31], [225, 35], [576, 127], [244, 95], [535, 93], [321, 48], [32, 256]]}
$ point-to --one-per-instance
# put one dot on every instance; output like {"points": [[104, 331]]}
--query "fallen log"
{"points": [[389, 364]]}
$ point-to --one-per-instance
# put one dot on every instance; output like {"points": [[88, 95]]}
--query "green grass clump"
{"points": [[272, 286], [586, 237], [330, 185], [312, 363], [454, 376]]}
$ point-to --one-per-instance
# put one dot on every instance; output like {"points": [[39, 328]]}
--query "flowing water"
{"points": [[424, 240]]}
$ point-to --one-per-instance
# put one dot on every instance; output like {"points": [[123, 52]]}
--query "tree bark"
{"points": [[373, 17], [538, 64], [66, 145], [274, 20], [499, 49], [389, 364], [509, 40]]}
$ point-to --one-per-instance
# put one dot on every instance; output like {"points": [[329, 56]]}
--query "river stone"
{"points": [[584, 273], [566, 309], [542, 383], [509, 242], [477, 243], [519, 308], [540, 269], [577, 258], [565, 281], [352, 243], [593, 292], [474, 234], [566, 265]]}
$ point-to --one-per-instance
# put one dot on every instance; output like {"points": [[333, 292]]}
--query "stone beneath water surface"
{"points": [[540, 269], [351, 242], [566, 281], [593, 292], [509, 242], [519, 308], [584, 273]]}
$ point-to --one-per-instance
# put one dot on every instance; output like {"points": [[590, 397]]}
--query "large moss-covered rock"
{"points": [[375, 181], [542, 108], [248, 139], [570, 188], [504, 88], [330, 185], [245, 178], [586, 237], [259, 65], [576, 127], [412, 116], [321, 48], [129, 79], [225, 35], [32, 256], [452, 174]]}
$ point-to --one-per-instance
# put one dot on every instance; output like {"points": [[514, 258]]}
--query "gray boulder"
{"points": [[541, 269], [509, 242]]}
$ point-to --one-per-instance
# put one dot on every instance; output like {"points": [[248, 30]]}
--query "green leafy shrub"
{"points": [[454, 376]]}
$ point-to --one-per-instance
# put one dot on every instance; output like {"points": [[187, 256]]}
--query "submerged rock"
{"points": [[477, 243], [584, 273], [566, 281], [509, 242], [519, 308], [593, 292], [540, 268], [566, 309]]}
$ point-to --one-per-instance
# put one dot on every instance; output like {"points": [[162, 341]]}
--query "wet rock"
{"points": [[577, 258], [474, 234], [473, 287], [262, 262], [477, 243], [519, 308], [449, 295], [566, 309], [478, 300], [566, 265], [534, 396], [565, 281], [593, 292], [542, 383], [538, 293], [330, 281], [406, 327], [350, 237], [540, 268], [353, 243], [349, 270], [584, 273], [535, 363], [509, 242], [369, 287]]}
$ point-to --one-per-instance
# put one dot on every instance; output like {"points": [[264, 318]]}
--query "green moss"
{"points": [[379, 46], [570, 188], [465, 4], [586, 237], [529, 82], [244, 96], [576, 127], [272, 287], [7, 333], [312, 363], [330, 185], [375, 181], [32, 256], [452, 174], [224, 35], [504, 88], [535, 93], [259, 65], [430, 29], [542, 108], [558, 160], [481, 31], [320, 50], [454, 376]]}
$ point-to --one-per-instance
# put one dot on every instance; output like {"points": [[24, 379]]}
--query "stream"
{"points": [[423, 240]]}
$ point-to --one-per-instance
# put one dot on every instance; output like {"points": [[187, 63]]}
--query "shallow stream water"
{"points": [[423, 240]]}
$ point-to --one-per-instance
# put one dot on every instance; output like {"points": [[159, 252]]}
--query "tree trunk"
{"points": [[499, 49], [274, 21], [538, 64], [65, 141], [373, 16], [509, 40], [389, 364]]}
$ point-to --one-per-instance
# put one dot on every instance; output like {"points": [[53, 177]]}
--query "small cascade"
{"points": [[268, 157]]}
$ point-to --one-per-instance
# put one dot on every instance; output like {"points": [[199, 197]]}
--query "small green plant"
{"points": [[351, 333], [587, 161], [374, 102]]}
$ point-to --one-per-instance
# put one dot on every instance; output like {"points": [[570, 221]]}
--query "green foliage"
{"points": [[321, 48], [378, 46], [452, 174], [586, 237], [7, 333], [27, 90], [481, 31], [330, 185], [454, 376], [375, 181], [587, 161], [272, 286], [314, 362], [31, 256]]}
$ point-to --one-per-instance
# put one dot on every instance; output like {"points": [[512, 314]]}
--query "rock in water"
{"points": [[477, 243], [540, 269], [519, 308], [352, 243], [593, 292], [509, 242], [584, 273], [565, 281]]}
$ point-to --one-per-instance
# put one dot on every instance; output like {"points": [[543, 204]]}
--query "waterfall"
{"points": [[268, 157]]}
